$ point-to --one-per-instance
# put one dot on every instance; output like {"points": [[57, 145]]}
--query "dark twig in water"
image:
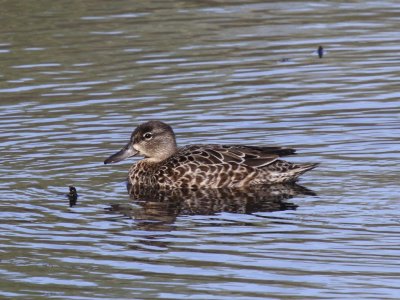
{"points": [[320, 52], [72, 196]]}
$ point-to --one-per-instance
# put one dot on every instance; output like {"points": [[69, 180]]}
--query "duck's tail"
{"points": [[281, 171], [301, 169]]}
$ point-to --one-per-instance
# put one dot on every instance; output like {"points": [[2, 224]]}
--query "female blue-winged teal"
{"points": [[213, 166]]}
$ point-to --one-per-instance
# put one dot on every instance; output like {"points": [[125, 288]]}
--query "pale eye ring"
{"points": [[148, 136]]}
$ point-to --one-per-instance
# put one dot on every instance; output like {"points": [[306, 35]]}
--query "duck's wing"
{"points": [[252, 156]]}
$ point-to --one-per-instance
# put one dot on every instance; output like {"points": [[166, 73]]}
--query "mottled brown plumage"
{"points": [[194, 166]]}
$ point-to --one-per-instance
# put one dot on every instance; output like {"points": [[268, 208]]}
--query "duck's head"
{"points": [[154, 140]]}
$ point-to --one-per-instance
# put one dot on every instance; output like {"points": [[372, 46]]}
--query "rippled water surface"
{"points": [[76, 77]]}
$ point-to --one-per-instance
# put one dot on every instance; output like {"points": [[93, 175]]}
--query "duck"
{"points": [[165, 165]]}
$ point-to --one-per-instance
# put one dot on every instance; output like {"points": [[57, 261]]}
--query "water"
{"points": [[77, 77]]}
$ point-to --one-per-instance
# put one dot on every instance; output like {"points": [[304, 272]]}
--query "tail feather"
{"points": [[301, 169], [281, 171]]}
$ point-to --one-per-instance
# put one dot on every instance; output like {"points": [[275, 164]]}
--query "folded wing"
{"points": [[253, 156]]}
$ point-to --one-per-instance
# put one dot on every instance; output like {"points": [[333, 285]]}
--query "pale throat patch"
{"points": [[137, 148]]}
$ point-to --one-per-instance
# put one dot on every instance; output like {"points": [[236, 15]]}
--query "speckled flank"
{"points": [[211, 166]]}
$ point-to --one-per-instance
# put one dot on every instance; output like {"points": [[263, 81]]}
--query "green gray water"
{"points": [[76, 77]]}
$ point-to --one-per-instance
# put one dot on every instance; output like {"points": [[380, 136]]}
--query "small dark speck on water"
{"points": [[72, 196], [285, 59], [320, 52]]}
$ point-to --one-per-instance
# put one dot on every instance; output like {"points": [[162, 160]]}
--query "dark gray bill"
{"points": [[125, 152]]}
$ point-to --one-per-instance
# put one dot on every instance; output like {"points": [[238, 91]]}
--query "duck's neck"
{"points": [[164, 152]]}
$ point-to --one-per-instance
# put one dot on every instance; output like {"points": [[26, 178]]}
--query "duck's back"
{"points": [[218, 166]]}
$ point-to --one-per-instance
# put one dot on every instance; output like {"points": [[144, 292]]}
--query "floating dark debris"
{"points": [[72, 196], [320, 51]]}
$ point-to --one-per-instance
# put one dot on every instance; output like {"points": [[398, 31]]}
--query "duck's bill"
{"points": [[125, 152]]}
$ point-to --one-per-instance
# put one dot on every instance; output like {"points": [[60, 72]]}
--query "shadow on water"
{"points": [[155, 208]]}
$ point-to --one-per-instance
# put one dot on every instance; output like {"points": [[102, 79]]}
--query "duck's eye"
{"points": [[147, 136]]}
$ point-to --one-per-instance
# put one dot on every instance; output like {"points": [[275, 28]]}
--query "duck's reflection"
{"points": [[155, 206]]}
